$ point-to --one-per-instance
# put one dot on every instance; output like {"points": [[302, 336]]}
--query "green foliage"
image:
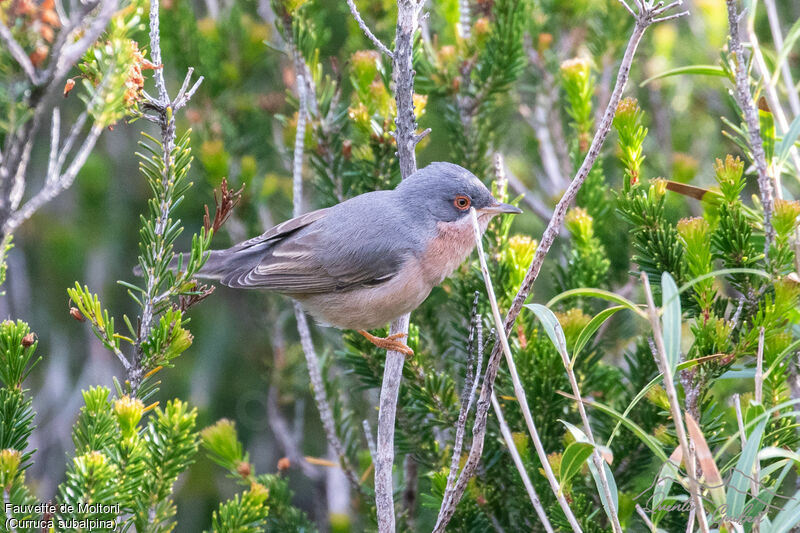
{"points": [[265, 505], [112, 69]]}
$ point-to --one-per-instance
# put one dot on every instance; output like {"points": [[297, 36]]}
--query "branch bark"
{"points": [[745, 100]]}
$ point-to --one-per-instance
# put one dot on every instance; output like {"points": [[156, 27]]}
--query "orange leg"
{"points": [[389, 343]]}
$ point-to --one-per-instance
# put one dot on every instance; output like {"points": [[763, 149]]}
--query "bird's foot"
{"points": [[389, 343]]}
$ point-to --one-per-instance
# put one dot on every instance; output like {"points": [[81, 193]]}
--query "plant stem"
{"points": [[519, 392], [406, 139], [675, 409]]}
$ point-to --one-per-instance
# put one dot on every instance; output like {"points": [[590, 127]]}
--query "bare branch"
{"points": [[624, 3], [675, 409], [406, 139], [363, 25], [18, 54], [55, 184], [745, 100]]}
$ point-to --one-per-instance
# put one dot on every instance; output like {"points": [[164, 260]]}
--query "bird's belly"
{"points": [[371, 307]]}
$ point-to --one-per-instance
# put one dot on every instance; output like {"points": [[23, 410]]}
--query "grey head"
{"points": [[445, 192]]}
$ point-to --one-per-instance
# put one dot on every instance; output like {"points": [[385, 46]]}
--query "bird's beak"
{"points": [[499, 208]]}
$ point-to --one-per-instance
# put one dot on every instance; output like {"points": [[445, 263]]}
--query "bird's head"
{"points": [[446, 192]]}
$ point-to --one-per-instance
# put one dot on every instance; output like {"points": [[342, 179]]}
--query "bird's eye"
{"points": [[462, 202]]}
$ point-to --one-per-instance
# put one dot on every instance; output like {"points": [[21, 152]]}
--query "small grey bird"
{"points": [[368, 260]]}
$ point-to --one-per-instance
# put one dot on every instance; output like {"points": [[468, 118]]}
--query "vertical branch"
{"points": [[164, 117], [745, 100], [406, 139], [675, 409]]}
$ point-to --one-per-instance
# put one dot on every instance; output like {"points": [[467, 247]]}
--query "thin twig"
{"points": [[672, 394], [777, 39], [18, 54], [774, 101], [471, 378], [643, 20], [599, 462], [645, 518], [519, 390], [745, 100], [312, 361], [363, 25], [526, 480]]}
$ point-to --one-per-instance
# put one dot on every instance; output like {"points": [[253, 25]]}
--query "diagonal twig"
{"points": [[363, 25], [643, 20]]}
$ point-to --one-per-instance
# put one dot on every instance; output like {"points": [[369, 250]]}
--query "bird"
{"points": [[368, 260]]}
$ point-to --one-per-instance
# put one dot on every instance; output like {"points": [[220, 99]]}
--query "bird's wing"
{"points": [[306, 257]]}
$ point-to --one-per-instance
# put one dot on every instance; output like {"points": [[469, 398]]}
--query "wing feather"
{"points": [[305, 255]]}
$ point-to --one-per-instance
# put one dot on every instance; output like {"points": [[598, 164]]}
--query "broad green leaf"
{"points": [[671, 320], [695, 70], [782, 150], [580, 436], [599, 293], [552, 327], [739, 483], [643, 436], [589, 330], [572, 461]]}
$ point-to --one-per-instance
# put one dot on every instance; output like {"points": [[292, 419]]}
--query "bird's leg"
{"points": [[389, 343]]}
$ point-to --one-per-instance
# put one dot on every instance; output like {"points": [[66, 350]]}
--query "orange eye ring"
{"points": [[462, 202]]}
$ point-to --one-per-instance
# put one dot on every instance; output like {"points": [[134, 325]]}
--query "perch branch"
{"points": [[165, 118], [675, 409], [745, 100], [407, 139], [643, 20]]}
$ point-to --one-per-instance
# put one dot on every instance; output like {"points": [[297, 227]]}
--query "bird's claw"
{"points": [[389, 343]]}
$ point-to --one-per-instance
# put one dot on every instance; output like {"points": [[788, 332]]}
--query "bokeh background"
{"points": [[243, 118]]}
